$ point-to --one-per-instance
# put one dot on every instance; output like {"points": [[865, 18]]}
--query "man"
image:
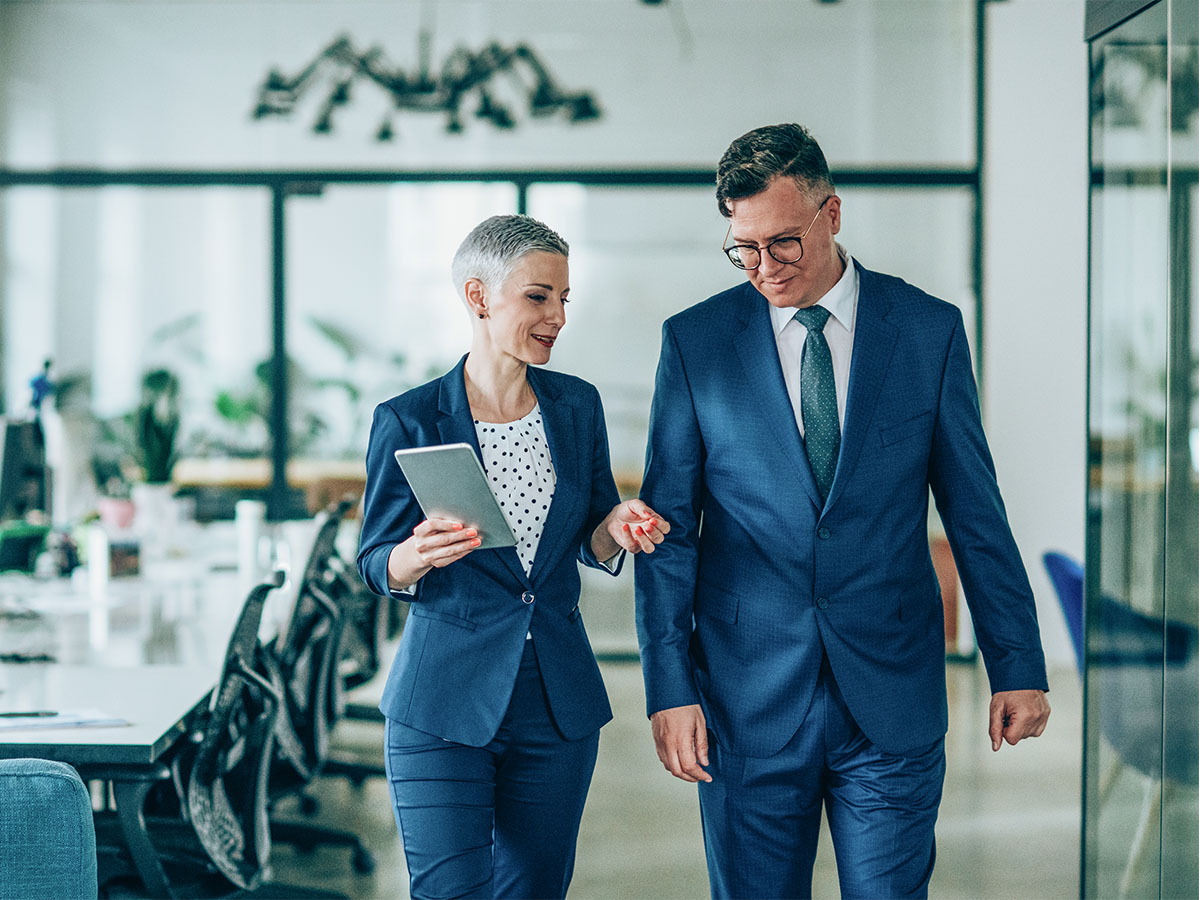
{"points": [[791, 625]]}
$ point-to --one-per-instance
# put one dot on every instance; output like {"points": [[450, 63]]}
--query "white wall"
{"points": [[878, 81], [1035, 282], [121, 84]]}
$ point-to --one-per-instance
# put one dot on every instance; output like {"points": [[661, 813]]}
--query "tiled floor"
{"points": [[1009, 823]]}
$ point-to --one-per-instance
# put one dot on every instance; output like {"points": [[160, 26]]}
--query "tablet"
{"points": [[449, 483]]}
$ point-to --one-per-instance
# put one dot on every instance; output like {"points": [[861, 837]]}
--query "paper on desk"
{"points": [[77, 718]]}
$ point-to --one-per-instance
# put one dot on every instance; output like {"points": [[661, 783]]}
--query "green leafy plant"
{"points": [[157, 422], [142, 444]]}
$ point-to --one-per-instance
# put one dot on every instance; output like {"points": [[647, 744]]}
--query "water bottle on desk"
{"points": [[249, 517]]}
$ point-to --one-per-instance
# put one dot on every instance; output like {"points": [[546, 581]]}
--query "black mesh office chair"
{"points": [[227, 787], [369, 622], [304, 659], [219, 837]]}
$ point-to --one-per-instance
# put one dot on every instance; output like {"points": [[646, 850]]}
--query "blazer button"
{"points": [[823, 602], [527, 597], [823, 533]]}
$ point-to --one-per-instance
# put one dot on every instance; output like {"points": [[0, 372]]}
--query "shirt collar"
{"points": [[840, 299]]}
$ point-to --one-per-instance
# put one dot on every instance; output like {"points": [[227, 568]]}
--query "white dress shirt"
{"points": [[842, 303]]}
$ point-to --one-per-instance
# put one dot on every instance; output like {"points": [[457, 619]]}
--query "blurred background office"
{"points": [[225, 234]]}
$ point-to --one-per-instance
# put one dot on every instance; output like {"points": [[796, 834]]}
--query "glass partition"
{"points": [[372, 309], [132, 294], [1181, 603], [1140, 823]]}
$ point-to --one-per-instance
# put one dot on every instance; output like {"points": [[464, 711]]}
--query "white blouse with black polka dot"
{"points": [[516, 458]]}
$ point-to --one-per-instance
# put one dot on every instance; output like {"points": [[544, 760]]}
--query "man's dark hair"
{"points": [[765, 153]]}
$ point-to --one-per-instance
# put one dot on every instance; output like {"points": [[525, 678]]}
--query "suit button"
{"points": [[823, 602], [527, 597], [823, 533]]}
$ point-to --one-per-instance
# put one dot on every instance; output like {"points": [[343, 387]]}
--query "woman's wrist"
{"points": [[404, 566], [604, 545]]}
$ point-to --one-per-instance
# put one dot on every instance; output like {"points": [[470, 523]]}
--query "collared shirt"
{"points": [[842, 303]]}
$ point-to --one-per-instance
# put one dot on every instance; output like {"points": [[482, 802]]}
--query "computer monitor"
{"points": [[24, 483]]}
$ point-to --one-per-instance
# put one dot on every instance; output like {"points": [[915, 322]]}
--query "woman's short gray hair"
{"points": [[493, 247]]}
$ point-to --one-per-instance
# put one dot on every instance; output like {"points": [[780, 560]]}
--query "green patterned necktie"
{"points": [[818, 399]]}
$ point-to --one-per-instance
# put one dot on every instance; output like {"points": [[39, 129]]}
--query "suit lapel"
{"points": [[456, 425], [569, 452], [759, 357], [874, 343]]}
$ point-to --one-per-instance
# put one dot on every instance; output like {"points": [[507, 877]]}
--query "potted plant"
{"points": [[156, 427], [157, 424]]}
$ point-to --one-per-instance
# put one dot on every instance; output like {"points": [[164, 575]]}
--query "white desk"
{"points": [[180, 613], [146, 649], [156, 703]]}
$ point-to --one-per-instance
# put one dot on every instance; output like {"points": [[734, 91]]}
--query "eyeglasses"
{"points": [[785, 249]]}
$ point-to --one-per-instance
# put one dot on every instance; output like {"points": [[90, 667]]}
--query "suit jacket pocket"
{"points": [[893, 434], [716, 601], [423, 611]]}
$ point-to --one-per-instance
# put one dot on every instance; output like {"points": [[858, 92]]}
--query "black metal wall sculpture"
{"points": [[464, 75]]}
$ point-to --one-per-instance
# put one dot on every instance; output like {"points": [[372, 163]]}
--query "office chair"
{"points": [[218, 843], [227, 787], [47, 840], [370, 621], [216, 829], [304, 659], [1133, 656], [1066, 574]]}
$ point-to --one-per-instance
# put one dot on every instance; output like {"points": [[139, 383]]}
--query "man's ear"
{"points": [[834, 207]]}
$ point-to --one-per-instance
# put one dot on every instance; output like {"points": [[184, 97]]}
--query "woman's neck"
{"points": [[497, 390]]}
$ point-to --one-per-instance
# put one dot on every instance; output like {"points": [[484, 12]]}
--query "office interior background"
{"points": [[220, 195]]}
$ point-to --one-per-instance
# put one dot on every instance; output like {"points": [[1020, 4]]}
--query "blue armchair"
{"points": [[47, 839]]}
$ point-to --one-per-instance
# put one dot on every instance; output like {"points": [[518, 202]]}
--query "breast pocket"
{"points": [[902, 431]]}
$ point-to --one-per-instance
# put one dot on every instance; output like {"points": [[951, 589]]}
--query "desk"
{"points": [[147, 649], [128, 756], [156, 717], [134, 622], [323, 481], [178, 612]]}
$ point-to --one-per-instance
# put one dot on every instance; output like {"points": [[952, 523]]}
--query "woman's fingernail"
{"points": [[625, 526], [639, 531], [475, 543]]}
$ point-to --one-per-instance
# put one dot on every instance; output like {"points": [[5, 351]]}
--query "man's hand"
{"points": [[681, 738], [1016, 715]]}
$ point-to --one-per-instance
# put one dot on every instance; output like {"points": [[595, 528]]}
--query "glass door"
{"points": [[1140, 816]]}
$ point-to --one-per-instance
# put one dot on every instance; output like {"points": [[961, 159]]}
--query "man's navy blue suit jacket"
{"points": [[458, 657], [755, 578]]}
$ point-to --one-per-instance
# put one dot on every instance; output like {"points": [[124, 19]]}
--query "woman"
{"points": [[494, 701]]}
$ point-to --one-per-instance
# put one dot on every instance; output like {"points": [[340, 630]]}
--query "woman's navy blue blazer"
{"points": [[454, 671]]}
